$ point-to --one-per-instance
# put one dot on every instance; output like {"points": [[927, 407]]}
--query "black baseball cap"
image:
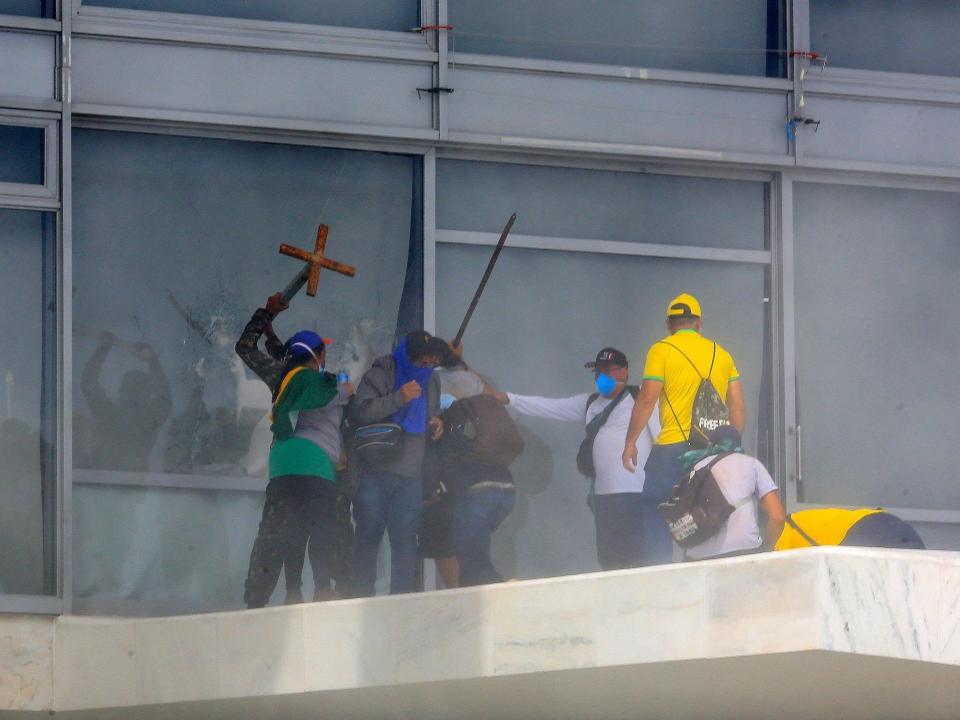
{"points": [[420, 343], [610, 356]]}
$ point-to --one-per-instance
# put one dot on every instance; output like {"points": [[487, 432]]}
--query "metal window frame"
{"points": [[25, 22], [65, 304], [215, 30], [56, 176], [780, 172], [31, 604], [793, 443], [46, 604], [35, 195], [607, 247]]}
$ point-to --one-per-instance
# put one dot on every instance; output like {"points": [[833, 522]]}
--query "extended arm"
{"points": [[247, 347], [736, 405], [265, 365], [571, 409], [642, 410], [776, 516]]}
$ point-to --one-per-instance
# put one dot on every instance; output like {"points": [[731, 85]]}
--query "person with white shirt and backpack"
{"points": [[714, 511], [605, 413]]}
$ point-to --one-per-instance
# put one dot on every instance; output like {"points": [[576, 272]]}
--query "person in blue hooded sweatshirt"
{"points": [[401, 388]]}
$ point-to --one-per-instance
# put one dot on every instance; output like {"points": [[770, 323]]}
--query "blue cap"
{"points": [[303, 342]]}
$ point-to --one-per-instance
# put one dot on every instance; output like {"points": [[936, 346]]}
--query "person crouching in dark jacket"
{"points": [[400, 388]]}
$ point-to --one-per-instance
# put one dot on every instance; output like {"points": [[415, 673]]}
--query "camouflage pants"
{"points": [[297, 510]]}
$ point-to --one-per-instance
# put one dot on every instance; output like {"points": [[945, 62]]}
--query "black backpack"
{"points": [[696, 509], [709, 411], [585, 453], [479, 429]]}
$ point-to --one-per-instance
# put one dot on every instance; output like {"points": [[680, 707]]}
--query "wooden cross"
{"points": [[315, 262]]}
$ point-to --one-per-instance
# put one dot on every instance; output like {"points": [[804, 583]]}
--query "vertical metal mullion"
{"points": [[785, 262], [798, 39], [430, 240], [65, 315], [778, 427], [443, 70]]}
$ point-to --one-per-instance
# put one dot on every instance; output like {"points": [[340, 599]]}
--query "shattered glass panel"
{"points": [[877, 345], [175, 246], [742, 37], [399, 15], [27, 404]]}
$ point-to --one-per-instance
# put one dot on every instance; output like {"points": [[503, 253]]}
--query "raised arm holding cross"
{"points": [[315, 261]]}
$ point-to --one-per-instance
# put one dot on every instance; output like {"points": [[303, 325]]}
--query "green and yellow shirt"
{"points": [[301, 389]]}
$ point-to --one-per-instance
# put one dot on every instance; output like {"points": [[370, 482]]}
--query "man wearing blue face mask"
{"points": [[605, 413]]}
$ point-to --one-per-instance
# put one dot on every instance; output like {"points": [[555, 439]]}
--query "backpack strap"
{"points": [[716, 459], [692, 364], [793, 523], [686, 436], [590, 401], [604, 415]]}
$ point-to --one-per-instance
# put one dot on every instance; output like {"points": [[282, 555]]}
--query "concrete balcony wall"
{"points": [[816, 633]]}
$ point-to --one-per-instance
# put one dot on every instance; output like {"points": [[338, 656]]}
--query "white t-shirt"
{"points": [[743, 480], [612, 477]]}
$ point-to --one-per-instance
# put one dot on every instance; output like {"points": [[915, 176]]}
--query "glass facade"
{"points": [[175, 246], [876, 285], [742, 37], [28, 404], [907, 36], [601, 205], [29, 8], [545, 313], [399, 15], [21, 154]]}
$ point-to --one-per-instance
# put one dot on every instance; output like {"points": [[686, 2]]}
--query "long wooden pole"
{"points": [[483, 281]]}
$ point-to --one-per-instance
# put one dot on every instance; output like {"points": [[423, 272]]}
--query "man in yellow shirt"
{"points": [[672, 374]]}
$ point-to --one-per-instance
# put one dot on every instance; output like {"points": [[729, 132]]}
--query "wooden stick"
{"points": [[483, 281]]}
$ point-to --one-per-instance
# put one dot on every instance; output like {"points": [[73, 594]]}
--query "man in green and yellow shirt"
{"points": [[673, 371]]}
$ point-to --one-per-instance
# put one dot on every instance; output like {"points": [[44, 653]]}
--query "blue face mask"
{"points": [[605, 384]]}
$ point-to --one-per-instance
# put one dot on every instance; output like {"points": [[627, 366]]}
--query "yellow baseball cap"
{"points": [[684, 306]]}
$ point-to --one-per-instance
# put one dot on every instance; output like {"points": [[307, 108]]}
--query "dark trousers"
{"points": [[883, 530], [393, 503], [342, 564], [476, 514], [662, 471], [297, 509], [620, 535]]}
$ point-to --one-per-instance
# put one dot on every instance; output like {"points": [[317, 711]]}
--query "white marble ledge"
{"points": [[900, 605], [26, 662]]}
